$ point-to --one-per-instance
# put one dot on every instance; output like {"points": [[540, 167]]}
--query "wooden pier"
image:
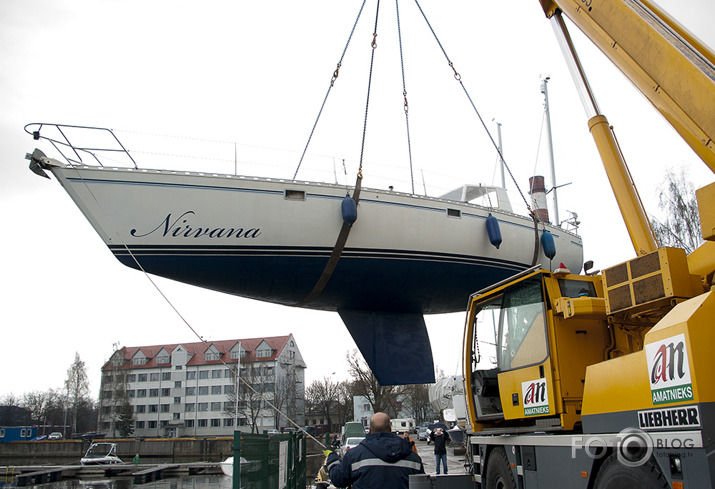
{"points": [[29, 475]]}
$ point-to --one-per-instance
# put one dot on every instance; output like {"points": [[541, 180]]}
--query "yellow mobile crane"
{"points": [[607, 380]]}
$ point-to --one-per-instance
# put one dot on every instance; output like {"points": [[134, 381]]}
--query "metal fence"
{"points": [[269, 461]]}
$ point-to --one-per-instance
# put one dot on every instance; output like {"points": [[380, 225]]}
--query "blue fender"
{"points": [[349, 210], [547, 243], [493, 231]]}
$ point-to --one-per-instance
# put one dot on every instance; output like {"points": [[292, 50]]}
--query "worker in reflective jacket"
{"points": [[382, 459]]}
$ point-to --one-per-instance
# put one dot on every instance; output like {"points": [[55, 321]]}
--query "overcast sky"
{"points": [[255, 73]]}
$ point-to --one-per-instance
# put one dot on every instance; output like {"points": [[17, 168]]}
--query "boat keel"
{"points": [[395, 345]]}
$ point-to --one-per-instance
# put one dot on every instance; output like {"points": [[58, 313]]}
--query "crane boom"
{"points": [[673, 69]]}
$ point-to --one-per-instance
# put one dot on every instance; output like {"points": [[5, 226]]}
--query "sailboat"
{"points": [[380, 258], [270, 240]]}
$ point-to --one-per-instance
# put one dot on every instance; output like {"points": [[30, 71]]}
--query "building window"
{"points": [[189, 423], [164, 423], [153, 408], [141, 378], [177, 416], [203, 374], [165, 392], [153, 392], [132, 378], [229, 406], [189, 407], [203, 406], [204, 390], [177, 400], [190, 391], [190, 375], [166, 376], [211, 356], [162, 359], [139, 425], [202, 423], [263, 353], [215, 423], [215, 406], [228, 422], [178, 367], [177, 383], [154, 377], [141, 408], [227, 374], [228, 389], [216, 374], [131, 393], [139, 361], [164, 408], [235, 355], [215, 389], [151, 425], [141, 392]]}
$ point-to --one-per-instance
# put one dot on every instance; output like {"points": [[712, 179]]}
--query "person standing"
{"points": [[382, 459], [440, 439]]}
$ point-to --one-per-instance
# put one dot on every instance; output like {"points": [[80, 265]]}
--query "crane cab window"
{"points": [[577, 288], [510, 329]]}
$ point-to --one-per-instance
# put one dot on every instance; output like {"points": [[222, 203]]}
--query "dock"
{"points": [[29, 475]]}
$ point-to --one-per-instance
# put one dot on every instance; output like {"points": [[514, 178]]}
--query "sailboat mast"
{"points": [[501, 156], [550, 145]]}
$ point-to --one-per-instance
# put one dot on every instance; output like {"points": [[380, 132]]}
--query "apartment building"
{"points": [[203, 389]]}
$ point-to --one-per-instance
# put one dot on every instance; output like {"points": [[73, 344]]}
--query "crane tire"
{"points": [[614, 475], [499, 474]]}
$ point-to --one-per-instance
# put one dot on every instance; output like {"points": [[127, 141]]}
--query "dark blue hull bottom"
{"points": [[380, 295], [376, 280]]}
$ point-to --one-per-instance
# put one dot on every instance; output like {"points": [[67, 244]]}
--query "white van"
{"points": [[400, 425]]}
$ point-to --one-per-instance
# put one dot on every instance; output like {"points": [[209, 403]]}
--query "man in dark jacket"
{"points": [[382, 460], [440, 439]]}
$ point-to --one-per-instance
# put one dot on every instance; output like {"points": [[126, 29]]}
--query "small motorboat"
{"points": [[101, 454]]}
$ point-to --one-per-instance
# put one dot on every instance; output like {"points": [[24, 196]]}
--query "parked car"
{"points": [[351, 442], [274, 432], [422, 433], [55, 435]]}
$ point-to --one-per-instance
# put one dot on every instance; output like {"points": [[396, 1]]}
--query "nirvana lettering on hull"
{"points": [[536, 397], [669, 370], [182, 228]]}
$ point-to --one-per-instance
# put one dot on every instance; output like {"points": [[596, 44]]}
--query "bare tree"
{"points": [[255, 383], [381, 398], [681, 226], [416, 398], [77, 387], [42, 405], [322, 398]]}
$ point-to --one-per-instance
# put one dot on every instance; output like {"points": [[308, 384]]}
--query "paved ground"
{"points": [[455, 463]]}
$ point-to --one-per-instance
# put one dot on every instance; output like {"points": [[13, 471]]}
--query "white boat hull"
{"points": [[270, 240]]}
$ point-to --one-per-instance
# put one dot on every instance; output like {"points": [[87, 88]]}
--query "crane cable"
{"points": [[332, 83], [345, 229], [458, 77], [404, 94]]}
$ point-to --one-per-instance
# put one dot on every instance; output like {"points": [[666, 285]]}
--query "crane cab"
{"points": [[528, 344]]}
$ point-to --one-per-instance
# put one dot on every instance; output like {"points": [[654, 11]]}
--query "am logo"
{"points": [[536, 397], [669, 370]]}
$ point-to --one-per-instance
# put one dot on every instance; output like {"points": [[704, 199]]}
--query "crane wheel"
{"points": [[614, 475], [499, 474]]}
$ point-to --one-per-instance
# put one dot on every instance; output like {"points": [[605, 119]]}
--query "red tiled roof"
{"points": [[197, 349]]}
